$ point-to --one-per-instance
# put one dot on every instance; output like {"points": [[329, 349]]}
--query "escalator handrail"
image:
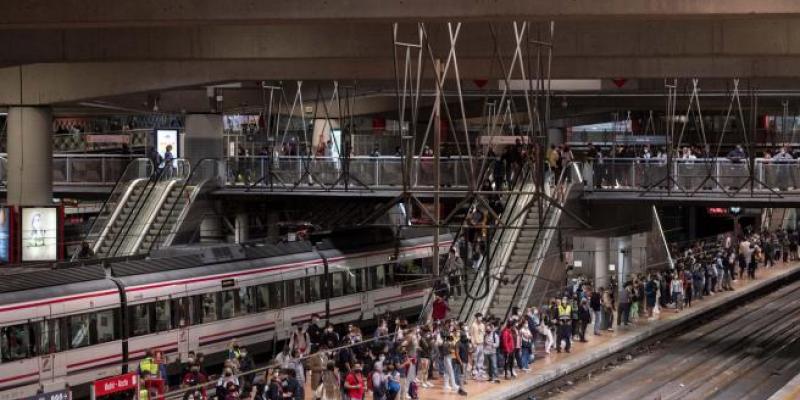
{"points": [[104, 207]]}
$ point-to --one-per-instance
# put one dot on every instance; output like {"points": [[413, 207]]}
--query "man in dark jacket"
{"points": [[584, 318]]}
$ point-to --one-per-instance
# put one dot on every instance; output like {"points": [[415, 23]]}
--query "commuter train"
{"points": [[75, 325]]}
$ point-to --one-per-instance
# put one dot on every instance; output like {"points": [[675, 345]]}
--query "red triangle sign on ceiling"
{"points": [[619, 82]]}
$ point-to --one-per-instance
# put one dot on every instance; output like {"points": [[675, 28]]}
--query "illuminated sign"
{"points": [[115, 384], [39, 233]]}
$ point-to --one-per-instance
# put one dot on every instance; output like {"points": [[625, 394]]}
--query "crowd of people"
{"points": [[399, 360]]}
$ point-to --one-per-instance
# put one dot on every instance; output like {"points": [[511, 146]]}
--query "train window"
{"points": [[276, 295], [105, 327], [227, 304], [295, 291], [337, 284], [360, 278], [378, 277], [247, 302], [163, 316], [49, 334], [350, 286], [15, 343], [180, 312], [78, 328], [262, 297], [314, 285], [389, 270], [208, 307], [139, 319]]}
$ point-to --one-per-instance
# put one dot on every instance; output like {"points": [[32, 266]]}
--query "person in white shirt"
{"points": [[477, 331]]}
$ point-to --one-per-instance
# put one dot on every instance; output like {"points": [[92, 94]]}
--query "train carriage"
{"points": [[79, 324]]}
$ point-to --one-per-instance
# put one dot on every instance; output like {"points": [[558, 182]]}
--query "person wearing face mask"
{"points": [[223, 381], [194, 377], [330, 337], [300, 341], [188, 363], [354, 383], [283, 358], [424, 352], [315, 331]]}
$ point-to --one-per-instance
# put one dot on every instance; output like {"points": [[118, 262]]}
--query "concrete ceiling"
{"points": [[122, 53]]}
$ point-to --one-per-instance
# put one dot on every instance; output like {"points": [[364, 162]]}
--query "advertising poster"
{"points": [[5, 218], [40, 230], [167, 137]]}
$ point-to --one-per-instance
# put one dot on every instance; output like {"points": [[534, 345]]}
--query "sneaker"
{"points": [[447, 388]]}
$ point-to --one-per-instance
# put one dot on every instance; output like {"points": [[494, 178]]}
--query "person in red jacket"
{"points": [[440, 309], [507, 344]]}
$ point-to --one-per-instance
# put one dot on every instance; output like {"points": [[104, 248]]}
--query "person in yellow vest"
{"points": [[144, 394], [564, 324], [148, 365]]}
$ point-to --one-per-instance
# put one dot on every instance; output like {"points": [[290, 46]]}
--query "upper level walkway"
{"points": [[764, 182], [699, 181]]}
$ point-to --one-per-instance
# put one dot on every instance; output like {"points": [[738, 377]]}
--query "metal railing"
{"points": [[691, 175], [324, 172]]}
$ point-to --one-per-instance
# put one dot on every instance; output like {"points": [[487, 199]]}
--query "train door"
{"points": [[52, 358], [181, 310]]}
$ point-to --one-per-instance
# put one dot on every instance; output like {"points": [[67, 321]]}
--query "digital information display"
{"points": [[167, 137], [39, 226]]}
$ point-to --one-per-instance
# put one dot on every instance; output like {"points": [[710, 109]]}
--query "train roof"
{"points": [[189, 261], [49, 283]]}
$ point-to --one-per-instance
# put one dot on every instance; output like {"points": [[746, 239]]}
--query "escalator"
{"points": [[517, 252], [531, 251], [143, 198]]}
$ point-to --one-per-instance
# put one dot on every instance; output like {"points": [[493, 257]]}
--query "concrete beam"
{"points": [[646, 38], [38, 14], [55, 83]]}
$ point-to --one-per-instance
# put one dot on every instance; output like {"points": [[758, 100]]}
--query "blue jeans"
{"points": [[491, 360], [598, 321], [450, 373], [525, 357]]}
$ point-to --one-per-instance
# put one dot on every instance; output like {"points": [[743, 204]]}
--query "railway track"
{"points": [[747, 353]]}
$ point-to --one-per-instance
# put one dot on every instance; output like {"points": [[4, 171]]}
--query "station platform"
{"points": [[547, 368], [790, 391]]}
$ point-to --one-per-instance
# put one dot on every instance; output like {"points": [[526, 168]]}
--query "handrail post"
{"points": [[68, 170]]}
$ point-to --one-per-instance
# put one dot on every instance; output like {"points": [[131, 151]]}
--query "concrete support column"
{"points": [[242, 228], [601, 247], [30, 156], [203, 137]]}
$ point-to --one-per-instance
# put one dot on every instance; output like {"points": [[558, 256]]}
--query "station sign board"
{"points": [[115, 384], [57, 395]]}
